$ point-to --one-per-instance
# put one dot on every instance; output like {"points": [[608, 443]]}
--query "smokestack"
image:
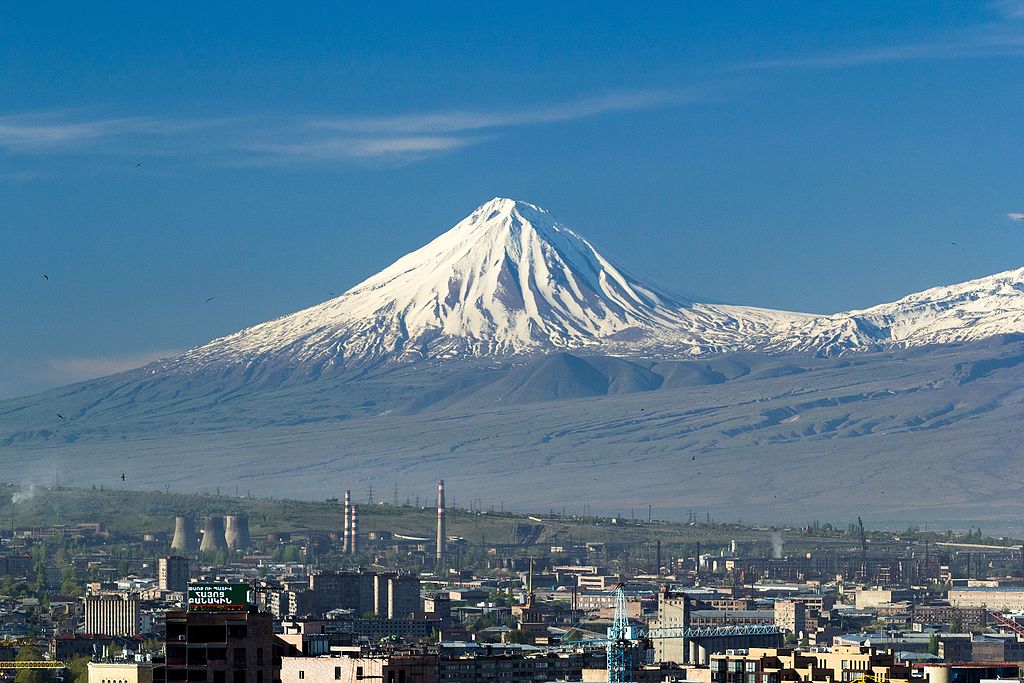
{"points": [[184, 535], [353, 533], [236, 532], [213, 535], [345, 543], [442, 536]]}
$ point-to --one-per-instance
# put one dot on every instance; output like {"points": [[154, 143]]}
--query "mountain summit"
{"points": [[508, 279]]}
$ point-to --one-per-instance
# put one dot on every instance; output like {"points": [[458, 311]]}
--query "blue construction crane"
{"points": [[623, 638]]}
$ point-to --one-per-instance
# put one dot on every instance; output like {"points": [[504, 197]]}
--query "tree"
{"points": [[519, 637], [30, 654], [933, 644], [78, 669]]}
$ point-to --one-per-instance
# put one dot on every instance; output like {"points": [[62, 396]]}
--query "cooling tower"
{"points": [[184, 535], [213, 535], [236, 532]]}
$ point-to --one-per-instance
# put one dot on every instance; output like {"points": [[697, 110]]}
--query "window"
{"points": [[302, 675], [337, 673], [218, 677], [239, 657], [359, 673], [751, 666], [259, 656]]}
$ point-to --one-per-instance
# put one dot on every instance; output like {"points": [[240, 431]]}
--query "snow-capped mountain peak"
{"points": [[508, 279]]}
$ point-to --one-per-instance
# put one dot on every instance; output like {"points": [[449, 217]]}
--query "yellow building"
{"points": [[120, 672]]}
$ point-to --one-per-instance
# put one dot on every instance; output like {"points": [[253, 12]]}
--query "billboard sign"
{"points": [[215, 597]]}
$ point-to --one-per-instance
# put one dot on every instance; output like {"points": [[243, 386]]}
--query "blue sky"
{"points": [[809, 156]]}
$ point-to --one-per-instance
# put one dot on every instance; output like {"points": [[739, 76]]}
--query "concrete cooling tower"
{"points": [[236, 532], [213, 535], [184, 536]]}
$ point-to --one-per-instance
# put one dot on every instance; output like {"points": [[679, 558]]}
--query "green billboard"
{"points": [[213, 597]]}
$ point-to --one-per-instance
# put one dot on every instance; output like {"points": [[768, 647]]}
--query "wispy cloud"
{"points": [[460, 121], [255, 140], [60, 130], [983, 45], [330, 147], [77, 368]]}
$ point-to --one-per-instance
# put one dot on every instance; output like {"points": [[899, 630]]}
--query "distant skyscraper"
{"points": [[173, 574]]}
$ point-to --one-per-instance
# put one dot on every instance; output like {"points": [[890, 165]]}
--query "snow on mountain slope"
{"points": [[965, 312], [508, 279]]}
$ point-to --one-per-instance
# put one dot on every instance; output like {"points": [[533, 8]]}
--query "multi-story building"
{"points": [[113, 614], [966, 618], [1005, 598], [380, 592], [673, 612], [791, 616], [959, 649], [403, 597], [173, 574], [343, 590], [516, 667], [775, 665], [396, 596], [222, 647], [121, 672], [382, 668]]}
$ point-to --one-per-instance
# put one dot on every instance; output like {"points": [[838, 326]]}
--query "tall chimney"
{"points": [[184, 535], [353, 532], [345, 543], [213, 535], [441, 531]]}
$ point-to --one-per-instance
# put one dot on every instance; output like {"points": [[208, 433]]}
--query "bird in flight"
{"points": [[210, 299], [138, 164], [45, 276], [1015, 216], [60, 416], [122, 476]]}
